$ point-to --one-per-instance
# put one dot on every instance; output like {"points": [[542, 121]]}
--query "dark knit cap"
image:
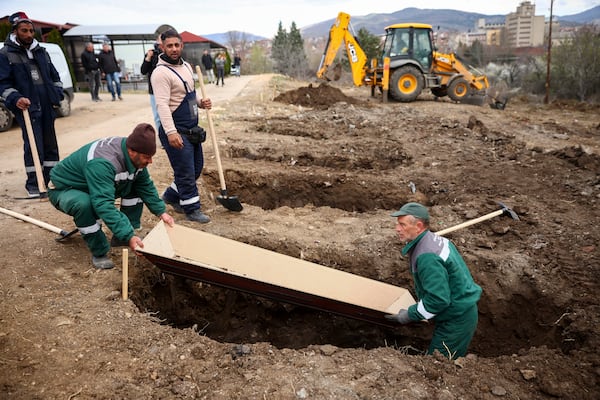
{"points": [[143, 139], [18, 17]]}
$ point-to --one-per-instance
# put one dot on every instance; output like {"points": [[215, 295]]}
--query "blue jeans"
{"points": [[110, 78]]}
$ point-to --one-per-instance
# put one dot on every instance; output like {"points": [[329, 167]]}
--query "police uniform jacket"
{"points": [[16, 75]]}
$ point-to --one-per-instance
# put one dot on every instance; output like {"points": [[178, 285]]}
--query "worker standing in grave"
{"points": [[444, 286]]}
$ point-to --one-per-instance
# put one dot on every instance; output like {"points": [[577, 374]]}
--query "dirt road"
{"points": [[89, 120], [319, 170]]}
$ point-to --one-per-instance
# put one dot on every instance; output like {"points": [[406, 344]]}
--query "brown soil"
{"points": [[319, 170]]}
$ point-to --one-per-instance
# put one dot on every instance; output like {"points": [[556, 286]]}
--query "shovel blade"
{"points": [[230, 202], [64, 235]]}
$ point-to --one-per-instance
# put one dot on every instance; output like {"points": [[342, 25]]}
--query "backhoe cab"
{"points": [[408, 64]]}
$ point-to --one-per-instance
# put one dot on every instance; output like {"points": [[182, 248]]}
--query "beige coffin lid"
{"points": [[205, 257]]}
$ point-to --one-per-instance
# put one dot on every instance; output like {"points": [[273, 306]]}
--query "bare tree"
{"points": [[237, 41], [576, 65]]}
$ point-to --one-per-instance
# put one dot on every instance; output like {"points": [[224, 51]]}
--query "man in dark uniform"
{"points": [[29, 81], [444, 286], [89, 60]]}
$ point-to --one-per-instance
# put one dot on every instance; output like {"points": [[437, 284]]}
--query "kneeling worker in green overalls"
{"points": [[86, 184], [444, 286]]}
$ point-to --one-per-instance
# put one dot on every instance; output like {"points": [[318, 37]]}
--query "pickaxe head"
{"points": [[508, 211], [65, 234]]}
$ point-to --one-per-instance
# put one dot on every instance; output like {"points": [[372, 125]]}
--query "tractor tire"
{"points": [[459, 89], [406, 84], [6, 118]]}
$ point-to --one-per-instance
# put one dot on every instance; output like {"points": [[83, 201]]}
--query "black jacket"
{"points": [[148, 66], [89, 61], [207, 61], [108, 63], [15, 76]]}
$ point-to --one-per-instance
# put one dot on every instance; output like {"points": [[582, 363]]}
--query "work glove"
{"points": [[402, 317]]}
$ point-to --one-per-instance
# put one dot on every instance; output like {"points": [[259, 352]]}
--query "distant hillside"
{"points": [[446, 20], [591, 16], [223, 38]]}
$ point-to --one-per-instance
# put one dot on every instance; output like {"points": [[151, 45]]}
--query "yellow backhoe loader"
{"points": [[409, 63]]}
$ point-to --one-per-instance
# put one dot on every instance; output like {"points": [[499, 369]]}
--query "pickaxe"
{"points": [[503, 210], [63, 234]]}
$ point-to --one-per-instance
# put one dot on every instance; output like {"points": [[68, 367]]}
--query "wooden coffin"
{"points": [[204, 257]]}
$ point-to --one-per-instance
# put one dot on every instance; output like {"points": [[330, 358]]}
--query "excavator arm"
{"points": [[339, 34], [449, 64]]}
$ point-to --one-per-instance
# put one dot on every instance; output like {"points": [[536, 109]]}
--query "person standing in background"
{"points": [[29, 81], [92, 70], [111, 70], [207, 63], [237, 64], [148, 65], [220, 63]]}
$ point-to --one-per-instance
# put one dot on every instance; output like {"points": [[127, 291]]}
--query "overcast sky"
{"points": [[259, 17]]}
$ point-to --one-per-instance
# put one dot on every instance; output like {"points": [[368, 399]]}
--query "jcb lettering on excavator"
{"points": [[352, 52]]}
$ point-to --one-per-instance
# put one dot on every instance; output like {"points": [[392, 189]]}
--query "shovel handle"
{"points": [[34, 221], [34, 153], [471, 222], [211, 130]]}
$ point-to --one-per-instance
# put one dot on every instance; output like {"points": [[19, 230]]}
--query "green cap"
{"points": [[414, 209]]}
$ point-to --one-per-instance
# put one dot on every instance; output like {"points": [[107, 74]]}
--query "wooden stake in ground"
{"points": [[125, 273]]}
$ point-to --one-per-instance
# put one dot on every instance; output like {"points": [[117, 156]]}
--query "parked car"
{"points": [[60, 63]]}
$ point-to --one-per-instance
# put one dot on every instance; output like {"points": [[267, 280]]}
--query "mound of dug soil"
{"points": [[319, 97]]}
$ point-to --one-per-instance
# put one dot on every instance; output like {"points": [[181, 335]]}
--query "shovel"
{"points": [[504, 210], [229, 202], [63, 234], [34, 153]]}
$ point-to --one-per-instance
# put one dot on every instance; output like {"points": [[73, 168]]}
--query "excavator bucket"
{"points": [[337, 72], [499, 105], [497, 97], [335, 75]]}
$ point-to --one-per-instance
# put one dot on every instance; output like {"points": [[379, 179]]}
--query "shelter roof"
{"points": [[189, 37], [119, 32]]}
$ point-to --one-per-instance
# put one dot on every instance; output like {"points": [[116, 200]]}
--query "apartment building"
{"points": [[524, 28]]}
